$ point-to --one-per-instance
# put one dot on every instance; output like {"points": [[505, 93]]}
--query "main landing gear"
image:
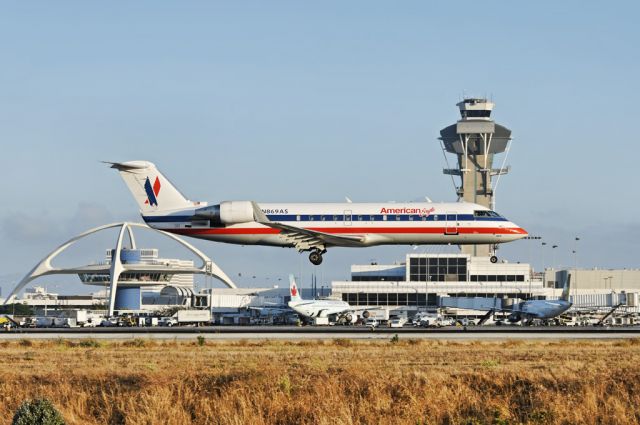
{"points": [[493, 259], [316, 257]]}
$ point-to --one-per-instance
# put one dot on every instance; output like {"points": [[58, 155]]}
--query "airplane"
{"points": [[312, 227], [542, 309], [525, 311], [319, 308]]}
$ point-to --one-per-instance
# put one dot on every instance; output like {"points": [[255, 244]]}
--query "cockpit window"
{"points": [[485, 213]]}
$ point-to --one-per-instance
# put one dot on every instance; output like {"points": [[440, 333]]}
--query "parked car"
{"points": [[109, 322], [445, 321], [372, 323], [397, 322], [168, 321]]}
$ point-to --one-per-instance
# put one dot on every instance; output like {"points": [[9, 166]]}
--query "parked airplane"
{"points": [[312, 226], [542, 309], [319, 308], [524, 311]]}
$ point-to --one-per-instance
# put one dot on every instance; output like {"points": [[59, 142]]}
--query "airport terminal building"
{"points": [[421, 280]]}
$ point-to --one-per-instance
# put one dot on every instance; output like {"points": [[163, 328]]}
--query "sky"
{"points": [[290, 101]]}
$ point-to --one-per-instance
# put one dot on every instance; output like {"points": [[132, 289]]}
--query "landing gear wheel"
{"points": [[494, 259], [316, 258]]}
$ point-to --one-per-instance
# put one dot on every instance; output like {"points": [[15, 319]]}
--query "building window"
{"points": [[439, 269]]}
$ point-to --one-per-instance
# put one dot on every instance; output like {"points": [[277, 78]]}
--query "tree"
{"points": [[38, 412]]}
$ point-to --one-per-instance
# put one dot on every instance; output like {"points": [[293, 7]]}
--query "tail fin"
{"points": [[293, 289], [151, 190], [566, 288]]}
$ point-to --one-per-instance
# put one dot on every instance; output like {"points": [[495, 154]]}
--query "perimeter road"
{"points": [[297, 333]]}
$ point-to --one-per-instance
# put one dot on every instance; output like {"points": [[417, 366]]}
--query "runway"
{"points": [[301, 333]]}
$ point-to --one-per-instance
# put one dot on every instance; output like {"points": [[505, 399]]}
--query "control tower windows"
{"points": [[476, 113]]}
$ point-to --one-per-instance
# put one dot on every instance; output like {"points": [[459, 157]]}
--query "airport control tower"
{"points": [[475, 140]]}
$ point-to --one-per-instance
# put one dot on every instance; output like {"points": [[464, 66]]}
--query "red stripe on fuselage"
{"points": [[350, 230]]}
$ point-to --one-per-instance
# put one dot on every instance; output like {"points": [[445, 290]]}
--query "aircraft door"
{"points": [[347, 218], [451, 224]]}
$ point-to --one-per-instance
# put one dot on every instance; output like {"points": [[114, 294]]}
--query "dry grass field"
{"points": [[326, 382]]}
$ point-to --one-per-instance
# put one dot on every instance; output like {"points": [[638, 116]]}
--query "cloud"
{"points": [[25, 228], [87, 216], [41, 228]]}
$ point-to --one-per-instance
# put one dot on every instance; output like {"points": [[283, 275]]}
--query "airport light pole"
{"points": [[426, 292], [531, 246], [610, 279], [575, 265]]}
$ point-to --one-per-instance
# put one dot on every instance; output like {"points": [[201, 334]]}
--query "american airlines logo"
{"points": [[405, 210], [152, 192]]}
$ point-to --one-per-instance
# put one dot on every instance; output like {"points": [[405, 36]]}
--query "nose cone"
{"points": [[517, 232]]}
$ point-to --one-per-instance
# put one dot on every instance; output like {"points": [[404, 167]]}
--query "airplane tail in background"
{"points": [[566, 288], [293, 290], [151, 190]]}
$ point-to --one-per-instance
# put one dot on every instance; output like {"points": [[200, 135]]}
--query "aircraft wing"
{"points": [[305, 239]]}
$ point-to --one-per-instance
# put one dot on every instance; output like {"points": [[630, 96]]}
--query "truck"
{"points": [[198, 317], [397, 322], [320, 321], [64, 322], [381, 314], [84, 318], [43, 322], [432, 320]]}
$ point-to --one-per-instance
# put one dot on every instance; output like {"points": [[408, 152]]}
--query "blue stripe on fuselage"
{"points": [[340, 217]]}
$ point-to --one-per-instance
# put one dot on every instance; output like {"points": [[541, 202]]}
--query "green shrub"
{"points": [[201, 341], [136, 343], [90, 343], [37, 412]]}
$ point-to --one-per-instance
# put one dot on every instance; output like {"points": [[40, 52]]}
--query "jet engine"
{"points": [[227, 212], [514, 317]]}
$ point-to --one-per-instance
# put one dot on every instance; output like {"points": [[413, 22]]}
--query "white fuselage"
{"points": [[543, 309], [319, 308], [376, 223]]}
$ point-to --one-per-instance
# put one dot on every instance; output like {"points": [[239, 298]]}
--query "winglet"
{"points": [[258, 215]]}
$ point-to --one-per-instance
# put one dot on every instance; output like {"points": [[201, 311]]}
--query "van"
{"points": [[398, 322], [372, 323]]}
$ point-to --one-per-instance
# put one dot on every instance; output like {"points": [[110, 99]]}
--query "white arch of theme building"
{"points": [[116, 268]]}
